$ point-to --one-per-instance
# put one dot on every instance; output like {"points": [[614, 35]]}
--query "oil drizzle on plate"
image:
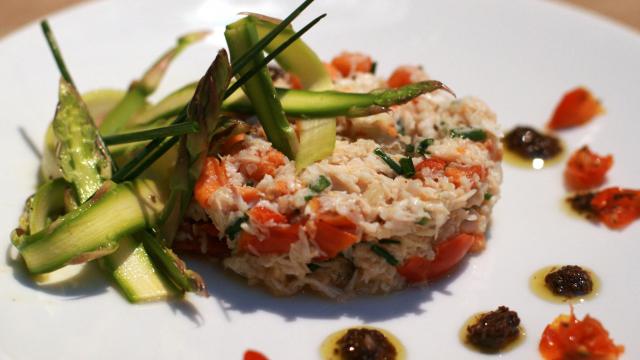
{"points": [[538, 287], [330, 350]]}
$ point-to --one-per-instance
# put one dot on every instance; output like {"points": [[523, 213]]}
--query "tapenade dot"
{"points": [[363, 343], [569, 281], [531, 144], [494, 330]]}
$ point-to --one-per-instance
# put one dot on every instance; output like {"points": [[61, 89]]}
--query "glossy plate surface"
{"points": [[519, 56]]}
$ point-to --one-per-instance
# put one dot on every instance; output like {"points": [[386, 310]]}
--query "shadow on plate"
{"points": [[235, 295], [84, 281]]}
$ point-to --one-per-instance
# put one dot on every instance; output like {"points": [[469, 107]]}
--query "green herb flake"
{"points": [[422, 221], [313, 266], [471, 134], [408, 170], [488, 196], [374, 67], [389, 161], [309, 197], [424, 145], [410, 149], [380, 251], [389, 241], [320, 185], [235, 227]]}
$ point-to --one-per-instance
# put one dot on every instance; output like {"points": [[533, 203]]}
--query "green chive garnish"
{"points": [[488, 196], [410, 149], [471, 134], [162, 132], [320, 185], [55, 50], [235, 228], [389, 161], [408, 170], [389, 241], [313, 267], [422, 221], [308, 197], [423, 145], [380, 251]]}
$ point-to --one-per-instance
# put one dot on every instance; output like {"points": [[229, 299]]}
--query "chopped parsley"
{"points": [[471, 134], [320, 185], [235, 227], [308, 197], [423, 145], [380, 251]]}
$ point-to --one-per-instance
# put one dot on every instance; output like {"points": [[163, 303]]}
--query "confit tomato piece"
{"points": [[254, 355], [448, 254], [349, 63], [616, 207], [568, 338], [577, 107], [586, 169]]}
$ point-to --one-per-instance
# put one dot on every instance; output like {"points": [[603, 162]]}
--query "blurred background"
{"points": [[16, 13]]}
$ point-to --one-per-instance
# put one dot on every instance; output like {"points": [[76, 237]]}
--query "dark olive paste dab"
{"points": [[363, 343], [495, 330], [528, 143], [569, 281]]}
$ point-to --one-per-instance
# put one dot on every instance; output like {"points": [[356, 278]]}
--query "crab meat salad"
{"points": [[400, 201]]}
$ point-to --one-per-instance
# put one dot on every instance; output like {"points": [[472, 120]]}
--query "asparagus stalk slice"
{"points": [[135, 99], [241, 36], [203, 109], [135, 273], [41, 209], [317, 137], [176, 269], [84, 162], [95, 227], [168, 107]]}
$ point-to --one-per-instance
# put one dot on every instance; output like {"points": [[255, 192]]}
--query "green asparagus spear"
{"points": [[135, 98], [241, 36], [317, 137], [83, 161], [203, 109]]}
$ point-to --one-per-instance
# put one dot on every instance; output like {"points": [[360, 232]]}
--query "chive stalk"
{"points": [[55, 50], [241, 36], [151, 134], [383, 253], [471, 134]]}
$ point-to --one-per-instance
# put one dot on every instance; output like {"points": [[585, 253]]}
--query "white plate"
{"points": [[519, 56]]}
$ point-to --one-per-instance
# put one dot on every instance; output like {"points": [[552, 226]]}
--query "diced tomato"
{"points": [[333, 239], [433, 163], [405, 75], [586, 169], [455, 172], [577, 107], [448, 255], [278, 241], [334, 73], [279, 238], [269, 162], [212, 177], [263, 215], [616, 207], [568, 338], [295, 82], [253, 355], [349, 63]]}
